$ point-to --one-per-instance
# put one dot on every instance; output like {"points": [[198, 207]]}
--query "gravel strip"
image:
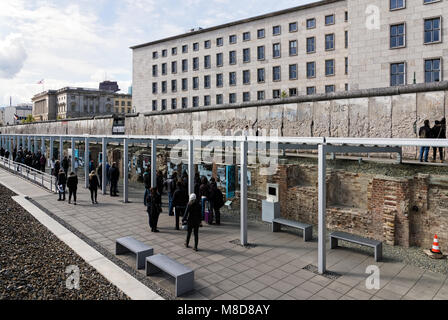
{"points": [[33, 261], [140, 277]]}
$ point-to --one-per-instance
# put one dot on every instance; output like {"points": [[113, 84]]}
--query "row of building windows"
{"points": [[246, 76], [401, 4], [432, 71], [246, 55], [246, 97], [123, 103], [432, 33], [246, 36]]}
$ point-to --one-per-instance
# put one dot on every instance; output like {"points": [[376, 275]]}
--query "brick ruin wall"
{"points": [[399, 211]]}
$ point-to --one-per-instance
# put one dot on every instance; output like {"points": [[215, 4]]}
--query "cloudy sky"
{"points": [[80, 43]]}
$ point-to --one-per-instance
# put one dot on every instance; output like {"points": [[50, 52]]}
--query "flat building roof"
{"points": [[260, 17]]}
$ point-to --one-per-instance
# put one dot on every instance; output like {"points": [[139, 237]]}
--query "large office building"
{"points": [[75, 103], [322, 47]]}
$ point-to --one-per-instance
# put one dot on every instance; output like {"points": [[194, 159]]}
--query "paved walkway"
{"points": [[273, 269]]}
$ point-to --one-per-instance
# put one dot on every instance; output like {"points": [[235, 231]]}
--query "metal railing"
{"points": [[43, 179]]}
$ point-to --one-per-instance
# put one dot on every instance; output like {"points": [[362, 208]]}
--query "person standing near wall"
{"points": [[114, 176], [180, 201], [72, 185], [424, 133], [93, 186], [154, 208]]}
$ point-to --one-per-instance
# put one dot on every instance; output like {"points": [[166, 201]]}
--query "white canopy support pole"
{"points": [[125, 171], [61, 149], [191, 172], [153, 163], [51, 155], [322, 204], [86, 162], [35, 145], [103, 166], [72, 162], [43, 145], [243, 192]]}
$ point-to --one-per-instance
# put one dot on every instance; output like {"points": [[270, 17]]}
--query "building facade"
{"points": [[397, 42], [123, 103], [318, 48], [73, 103]]}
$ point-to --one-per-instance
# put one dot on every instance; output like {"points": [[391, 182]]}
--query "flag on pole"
{"points": [[41, 81]]}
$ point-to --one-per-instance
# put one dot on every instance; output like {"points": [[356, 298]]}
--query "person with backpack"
{"points": [[72, 185], [180, 201], [62, 180], [424, 133], [93, 186], [192, 218], [170, 186], [218, 202], [154, 208]]}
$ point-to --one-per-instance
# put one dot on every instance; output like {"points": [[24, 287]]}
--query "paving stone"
{"points": [[299, 293], [255, 285], [240, 292], [227, 285], [211, 292], [271, 293], [358, 294]]}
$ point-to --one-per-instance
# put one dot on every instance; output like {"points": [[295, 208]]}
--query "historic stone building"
{"points": [[122, 103], [318, 48], [77, 102]]}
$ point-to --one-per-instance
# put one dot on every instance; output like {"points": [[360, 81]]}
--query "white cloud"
{"points": [[12, 56]]}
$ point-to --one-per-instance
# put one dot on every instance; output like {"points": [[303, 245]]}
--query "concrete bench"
{"points": [[183, 275], [307, 228], [377, 245], [129, 244]]}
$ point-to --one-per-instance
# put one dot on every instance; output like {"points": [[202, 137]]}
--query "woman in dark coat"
{"points": [[192, 218], [72, 185], [62, 180], [153, 207], [93, 186]]}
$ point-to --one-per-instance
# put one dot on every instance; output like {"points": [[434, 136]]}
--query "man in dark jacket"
{"points": [[170, 186], [154, 207], [147, 183], [217, 202], [424, 133], [438, 132], [65, 164], [114, 176], [180, 201], [192, 218]]}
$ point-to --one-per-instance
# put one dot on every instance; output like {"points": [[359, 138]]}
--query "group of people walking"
{"points": [[438, 131], [36, 160], [70, 181], [203, 204]]}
